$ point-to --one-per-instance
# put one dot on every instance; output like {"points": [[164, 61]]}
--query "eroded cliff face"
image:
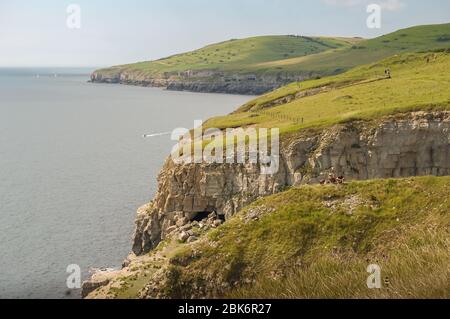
{"points": [[404, 145], [200, 81]]}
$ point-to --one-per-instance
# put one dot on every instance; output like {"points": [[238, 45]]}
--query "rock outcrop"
{"points": [[199, 81], [404, 145]]}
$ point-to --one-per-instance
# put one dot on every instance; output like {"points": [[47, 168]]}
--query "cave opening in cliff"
{"points": [[201, 216]]}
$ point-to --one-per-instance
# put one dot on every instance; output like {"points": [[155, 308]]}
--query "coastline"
{"points": [[209, 81]]}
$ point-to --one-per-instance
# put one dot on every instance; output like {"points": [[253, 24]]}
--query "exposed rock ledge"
{"points": [[200, 81], [413, 144]]}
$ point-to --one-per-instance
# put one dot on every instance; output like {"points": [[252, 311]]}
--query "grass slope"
{"points": [[313, 56], [244, 55], [415, 39], [419, 81], [316, 242], [334, 233]]}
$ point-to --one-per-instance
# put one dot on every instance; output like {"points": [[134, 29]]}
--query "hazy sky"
{"points": [[34, 33]]}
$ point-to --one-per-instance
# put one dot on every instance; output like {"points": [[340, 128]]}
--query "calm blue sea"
{"points": [[74, 168]]}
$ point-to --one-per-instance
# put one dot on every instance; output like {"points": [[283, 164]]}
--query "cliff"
{"points": [[413, 144], [194, 199], [206, 81]]}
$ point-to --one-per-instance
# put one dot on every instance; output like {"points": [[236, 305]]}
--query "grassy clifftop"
{"points": [[419, 81]]}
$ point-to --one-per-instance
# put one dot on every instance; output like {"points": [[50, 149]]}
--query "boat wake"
{"points": [[156, 134]]}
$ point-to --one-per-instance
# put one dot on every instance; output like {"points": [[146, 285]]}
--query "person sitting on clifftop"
{"points": [[333, 179]]}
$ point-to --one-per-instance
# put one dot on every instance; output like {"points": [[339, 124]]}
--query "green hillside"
{"points": [[239, 55], [419, 81], [316, 56], [415, 39]]}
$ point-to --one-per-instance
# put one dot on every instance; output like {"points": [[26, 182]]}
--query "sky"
{"points": [[36, 34]]}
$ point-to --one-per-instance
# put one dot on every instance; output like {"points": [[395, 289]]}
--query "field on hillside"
{"points": [[418, 81], [294, 55], [240, 55], [415, 39]]}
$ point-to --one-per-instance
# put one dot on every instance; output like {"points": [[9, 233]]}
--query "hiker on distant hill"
{"points": [[387, 72]]}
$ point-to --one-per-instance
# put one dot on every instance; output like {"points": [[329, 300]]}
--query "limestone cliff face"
{"points": [[200, 81], [412, 144]]}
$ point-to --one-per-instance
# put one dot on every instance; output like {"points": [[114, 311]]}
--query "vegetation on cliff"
{"points": [[417, 81], [311, 242]]}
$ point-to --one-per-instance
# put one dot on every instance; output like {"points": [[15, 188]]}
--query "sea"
{"points": [[76, 161]]}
